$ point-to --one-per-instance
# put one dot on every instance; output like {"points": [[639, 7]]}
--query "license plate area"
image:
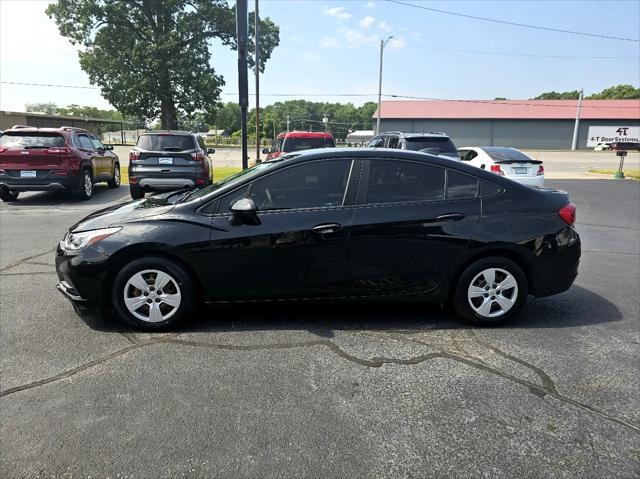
{"points": [[165, 161], [28, 174], [520, 170]]}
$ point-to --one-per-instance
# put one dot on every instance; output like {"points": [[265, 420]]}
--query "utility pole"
{"points": [[257, 58], [325, 120], [288, 129], [382, 45], [574, 143], [242, 27]]}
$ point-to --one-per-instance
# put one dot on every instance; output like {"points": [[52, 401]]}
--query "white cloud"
{"points": [[338, 12], [329, 42], [397, 43], [310, 57], [384, 26], [355, 39], [296, 39], [369, 4], [417, 34], [367, 21]]}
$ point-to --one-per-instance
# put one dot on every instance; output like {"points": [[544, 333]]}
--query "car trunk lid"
{"points": [[32, 151]]}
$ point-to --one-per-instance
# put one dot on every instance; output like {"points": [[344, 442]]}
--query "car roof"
{"points": [[35, 129], [413, 134], [167, 132], [305, 134]]}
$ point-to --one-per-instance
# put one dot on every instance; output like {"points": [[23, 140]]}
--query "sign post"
{"points": [[620, 174], [621, 151]]}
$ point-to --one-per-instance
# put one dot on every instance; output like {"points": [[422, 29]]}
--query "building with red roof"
{"points": [[533, 124]]}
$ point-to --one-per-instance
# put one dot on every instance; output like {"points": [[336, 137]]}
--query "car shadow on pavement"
{"points": [[577, 307], [102, 195]]}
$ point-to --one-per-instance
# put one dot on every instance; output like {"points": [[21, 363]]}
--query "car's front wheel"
{"points": [[115, 181], [8, 195], [490, 291], [153, 293]]}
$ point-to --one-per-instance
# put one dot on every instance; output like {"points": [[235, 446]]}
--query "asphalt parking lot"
{"points": [[357, 390]]}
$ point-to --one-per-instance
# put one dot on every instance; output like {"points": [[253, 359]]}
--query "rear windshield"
{"points": [[506, 154], [297, 144], [31, 140], [166, 142], [437, 145]]}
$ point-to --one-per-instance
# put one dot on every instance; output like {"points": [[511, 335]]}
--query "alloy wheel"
{"points": [[152, 295], [88, 184], [492, 292]]}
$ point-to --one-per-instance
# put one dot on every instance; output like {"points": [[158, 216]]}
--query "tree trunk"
{"points": [[168, 117]]}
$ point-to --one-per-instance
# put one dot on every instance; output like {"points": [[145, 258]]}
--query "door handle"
{"points": [[327, 228], [450, 217]]}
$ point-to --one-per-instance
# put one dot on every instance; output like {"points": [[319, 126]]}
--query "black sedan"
{"points": [[332, 224]]}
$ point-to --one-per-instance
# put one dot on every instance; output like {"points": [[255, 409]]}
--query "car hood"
{"points": [[124, 213]]}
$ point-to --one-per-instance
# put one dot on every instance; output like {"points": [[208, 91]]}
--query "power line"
{"points": [[528, 55], [536, 103], [515, 24]]}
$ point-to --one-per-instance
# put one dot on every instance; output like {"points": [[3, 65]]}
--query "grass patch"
{"points": [[219, 173], [632, 174]]}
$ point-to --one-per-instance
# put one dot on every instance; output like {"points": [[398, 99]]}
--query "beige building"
{"points": [[42, 120]]}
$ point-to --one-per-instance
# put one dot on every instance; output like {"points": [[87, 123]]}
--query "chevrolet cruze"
{"points": [[330, 224]]}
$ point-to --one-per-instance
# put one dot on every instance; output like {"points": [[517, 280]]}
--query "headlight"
{"points": [[76, 241]]}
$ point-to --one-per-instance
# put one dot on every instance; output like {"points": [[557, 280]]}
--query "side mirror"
{"points": [[211, 151], [244, 211], [265, 151], [108, 147]]}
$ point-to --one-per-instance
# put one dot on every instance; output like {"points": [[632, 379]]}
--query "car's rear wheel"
{"points": [[85, 186], [7, 195], [490, 291], [136, 192], [115, 181], [153, 293]]}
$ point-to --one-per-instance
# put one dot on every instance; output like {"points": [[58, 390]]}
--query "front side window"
{"points": [[461, 186], [394, 181], [393, 142], [377, 142], [97, 144], [315, 184], [85, 142]]}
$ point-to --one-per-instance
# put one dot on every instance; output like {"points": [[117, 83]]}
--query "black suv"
{"points": [[168, 160], [434, 143]]}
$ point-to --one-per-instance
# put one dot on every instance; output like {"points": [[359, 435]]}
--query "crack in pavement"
{"points": [[24, 260], [547, 388], [29, 273]]}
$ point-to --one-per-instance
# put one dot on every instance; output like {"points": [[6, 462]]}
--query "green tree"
{"points": [[553, 95], [49, 108], [151, 58], [618, 92]]}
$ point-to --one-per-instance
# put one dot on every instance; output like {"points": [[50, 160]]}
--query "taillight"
{"points": [[540, 170], [134, 155], [197, 156], [496, 169], [568, 213], [2, 150], [58, 150]]}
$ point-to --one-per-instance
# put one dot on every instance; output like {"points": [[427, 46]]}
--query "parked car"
{"points": [[330, 224], [434, 143], [602, 146], [507, 162], [298, 141], [54, 159], [168, 160]]}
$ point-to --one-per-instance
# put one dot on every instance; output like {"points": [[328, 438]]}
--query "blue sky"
{"points": [[330, 47]]}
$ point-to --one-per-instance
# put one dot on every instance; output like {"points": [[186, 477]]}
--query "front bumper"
{"points": [[83, 276]]}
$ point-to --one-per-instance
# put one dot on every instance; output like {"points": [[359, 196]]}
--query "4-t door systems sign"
{"points": [[611, 134]]}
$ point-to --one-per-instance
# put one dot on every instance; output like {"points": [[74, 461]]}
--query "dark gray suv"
{"points": [[434, 143], [168, 160]]}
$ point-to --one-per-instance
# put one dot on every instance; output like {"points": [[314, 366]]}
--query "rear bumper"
{"points": [[527, 180], [165, 183], [556, 270], [49, 183]]}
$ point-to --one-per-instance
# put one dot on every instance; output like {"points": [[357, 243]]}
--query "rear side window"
{"points": [[377, 142], [298, 144], [393, 181], [166, 142], [461, 186], [487, 189], [30, 140]]}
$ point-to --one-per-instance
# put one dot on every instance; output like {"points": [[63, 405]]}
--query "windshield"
{"points": [[440, 145], [236, 178], [297, 143], [31, 140], [166, 142]]}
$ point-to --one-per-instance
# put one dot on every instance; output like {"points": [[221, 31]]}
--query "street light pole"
{"points": [[383, 43], [257, 60], [576, 126]]}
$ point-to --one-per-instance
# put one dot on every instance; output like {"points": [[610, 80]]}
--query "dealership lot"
{"points": [[324, 390]]}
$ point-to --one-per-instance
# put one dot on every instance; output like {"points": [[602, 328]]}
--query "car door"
{"points": [[91, 154], [408, 227], [103, 159], [297, 245]]}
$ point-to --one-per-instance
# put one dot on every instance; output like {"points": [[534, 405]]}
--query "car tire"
{"points": [[490, 291], [136, 192], [115, 181], [85, 185], [153, 293], [8, 195]]}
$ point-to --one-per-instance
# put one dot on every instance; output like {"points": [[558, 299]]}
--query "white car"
{"points": [[507, 162], [602, 147]]}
